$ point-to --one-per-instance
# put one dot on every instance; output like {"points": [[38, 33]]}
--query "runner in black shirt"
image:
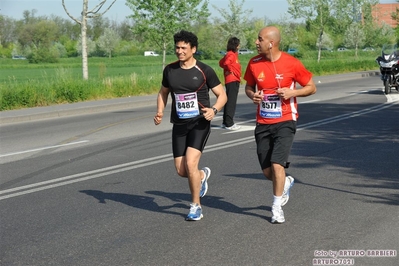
{"points": [[189, 81]]}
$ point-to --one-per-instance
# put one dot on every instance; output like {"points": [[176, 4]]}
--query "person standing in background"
{"points": [[232, 76], [271, 84], [189, 82]]}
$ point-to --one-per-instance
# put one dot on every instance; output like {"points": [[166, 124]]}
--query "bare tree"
{"points": [[86, 14]]}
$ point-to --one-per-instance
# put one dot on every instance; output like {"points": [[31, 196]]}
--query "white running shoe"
{"points": [[289, 182], [233, 127], [204, 181], [277, 215]]}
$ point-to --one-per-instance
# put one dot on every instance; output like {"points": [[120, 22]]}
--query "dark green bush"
{"points": [[43, 55]]}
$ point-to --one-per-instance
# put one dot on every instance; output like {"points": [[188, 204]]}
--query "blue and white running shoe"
{"points": [[204, 181], [195, 213]]}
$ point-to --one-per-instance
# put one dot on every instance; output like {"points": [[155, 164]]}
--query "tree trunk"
{"points": [[164, 55], [84, 41], [321, 35], [356, 47], [83, 25], [320, 45]]}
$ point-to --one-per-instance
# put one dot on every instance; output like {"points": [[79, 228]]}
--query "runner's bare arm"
{"points": [[250, 91], [308, 89], [161, 103], [221, 99], [220, 95]]}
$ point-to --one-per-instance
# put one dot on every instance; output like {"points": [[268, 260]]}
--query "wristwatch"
{"points": [[215, 110]]}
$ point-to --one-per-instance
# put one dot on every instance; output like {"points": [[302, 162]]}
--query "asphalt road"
{"points": [[99, 188]]}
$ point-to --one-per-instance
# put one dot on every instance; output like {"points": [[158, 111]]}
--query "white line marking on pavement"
{"points": [[43, 148], [310, 101], [85, 176], [241, 129], [27, 189]]}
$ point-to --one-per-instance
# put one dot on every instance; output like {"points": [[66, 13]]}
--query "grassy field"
{"points": [[22, 71], [25, 85]]}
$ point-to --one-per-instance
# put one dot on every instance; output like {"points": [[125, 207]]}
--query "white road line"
{"points": [[106, 169], [22, 190], [346, 116], [79, 179], [310, 101], [43, 148]]}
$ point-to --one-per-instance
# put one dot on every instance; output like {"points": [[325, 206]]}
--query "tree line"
{"points": [[308, 25]]}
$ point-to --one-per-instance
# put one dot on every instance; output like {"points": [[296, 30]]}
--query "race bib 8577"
{"points": [[270, 106]]}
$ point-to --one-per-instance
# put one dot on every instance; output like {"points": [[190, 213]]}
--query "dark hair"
{"points": [[187, 37], [232, 44]]}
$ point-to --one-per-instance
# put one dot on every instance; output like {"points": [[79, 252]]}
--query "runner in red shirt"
{"points": [[271, 84]]}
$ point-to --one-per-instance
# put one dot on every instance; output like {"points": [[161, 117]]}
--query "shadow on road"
{"points": [[181, 199]]}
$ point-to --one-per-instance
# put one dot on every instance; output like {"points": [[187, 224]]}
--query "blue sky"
{"points": [[271, 9]]}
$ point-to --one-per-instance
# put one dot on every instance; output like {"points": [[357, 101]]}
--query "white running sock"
{"points": [[277, 200]]}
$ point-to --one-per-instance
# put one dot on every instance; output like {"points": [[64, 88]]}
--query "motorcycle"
{"points": [[389, 67]]}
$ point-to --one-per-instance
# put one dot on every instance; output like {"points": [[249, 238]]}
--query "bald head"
{"points": [[268, 43], [272, 34]]}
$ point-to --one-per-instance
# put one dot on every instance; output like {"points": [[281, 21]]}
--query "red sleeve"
{"points": [[228, 61], [221, 62], [302, 75], [248, 75]]}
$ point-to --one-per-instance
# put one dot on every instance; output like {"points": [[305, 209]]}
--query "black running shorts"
{"points": [[274, 142], [194, 134]]}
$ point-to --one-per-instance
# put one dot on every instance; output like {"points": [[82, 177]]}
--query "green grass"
{"points": [[21, 70], [25, 85]]}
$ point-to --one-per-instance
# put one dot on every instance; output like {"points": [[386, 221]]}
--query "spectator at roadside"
{"points": [[232, 76]]}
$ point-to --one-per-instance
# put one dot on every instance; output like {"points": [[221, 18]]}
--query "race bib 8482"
{"points": [[186, 105]]}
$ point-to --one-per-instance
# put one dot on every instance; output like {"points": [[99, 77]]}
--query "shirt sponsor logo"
{"points": [[261, 76], [187, 115], [189, 96], [273, 97]]}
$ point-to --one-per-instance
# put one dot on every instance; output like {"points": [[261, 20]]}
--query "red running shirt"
{"points": [[268, 77]]}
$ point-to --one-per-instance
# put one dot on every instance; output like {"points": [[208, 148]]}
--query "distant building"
{"points": [[382, 13]]}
